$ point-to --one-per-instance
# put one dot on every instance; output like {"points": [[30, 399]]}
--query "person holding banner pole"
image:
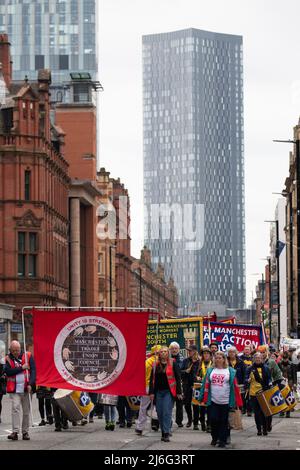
{"points": [[164, 387], [20, 372]]}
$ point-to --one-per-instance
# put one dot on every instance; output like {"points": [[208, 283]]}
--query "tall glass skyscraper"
{"points": [[56, 34], [194, 163]]}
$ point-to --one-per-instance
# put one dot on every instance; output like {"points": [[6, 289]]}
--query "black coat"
{"points": [[188, 378], [240, 368]]}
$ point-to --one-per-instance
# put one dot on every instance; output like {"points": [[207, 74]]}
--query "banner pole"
{"points": [[26, 362]]}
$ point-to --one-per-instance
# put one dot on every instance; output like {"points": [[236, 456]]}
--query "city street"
{"points": [[285, 436]]}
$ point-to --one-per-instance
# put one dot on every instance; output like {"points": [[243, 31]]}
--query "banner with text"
{"points": [[232, 335]]}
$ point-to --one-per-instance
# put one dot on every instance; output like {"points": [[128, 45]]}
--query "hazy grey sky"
{"points": [[270, 29]]}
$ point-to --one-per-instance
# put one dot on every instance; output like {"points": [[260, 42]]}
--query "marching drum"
{"points": [[271, 401], [289, 397], [76, 405], [134, 402], [196, 394]]}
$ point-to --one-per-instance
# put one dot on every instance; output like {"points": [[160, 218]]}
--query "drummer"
{"points": [[258, 378]]}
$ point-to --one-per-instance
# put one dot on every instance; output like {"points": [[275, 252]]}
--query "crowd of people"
{"points": [[225, 382]]}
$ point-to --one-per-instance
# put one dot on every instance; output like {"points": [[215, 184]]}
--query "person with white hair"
{"points": [[174, 349], [20, 372]]}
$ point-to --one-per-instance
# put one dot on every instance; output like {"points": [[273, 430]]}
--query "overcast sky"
{"points": [[270, 30]]}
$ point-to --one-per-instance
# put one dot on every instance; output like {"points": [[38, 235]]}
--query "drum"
{"points": [[108, 399], [134, 402], [271, 401], [289, 397], [196, 393], [76, 405]]}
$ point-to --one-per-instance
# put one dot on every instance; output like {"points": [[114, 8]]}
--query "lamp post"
{"points": [[277, 254]]}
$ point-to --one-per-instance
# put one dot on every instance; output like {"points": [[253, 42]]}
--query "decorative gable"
{"points": [[28, 220]]}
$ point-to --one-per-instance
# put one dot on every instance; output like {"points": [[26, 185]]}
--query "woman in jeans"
{"points": [[220, 392], [164, 388], [258, 378]]}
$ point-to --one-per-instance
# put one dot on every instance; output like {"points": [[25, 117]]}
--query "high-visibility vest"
{"points": [[11, 381], [170, 376]]}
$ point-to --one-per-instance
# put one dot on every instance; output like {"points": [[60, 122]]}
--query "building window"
{"points": [[27, 254], [27, 185], [100, 267], [39, 62], [81, 93], [63, 62]]}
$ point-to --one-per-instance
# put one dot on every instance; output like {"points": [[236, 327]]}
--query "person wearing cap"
{"points": [[174, 348], [145, 400], [206, 362], [189, 372], [276, 374]]}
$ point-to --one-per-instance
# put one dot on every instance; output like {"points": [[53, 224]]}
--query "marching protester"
{"points": [[145, 400], [288, 371], [110, 415], [214, 347], [164, 387], [236, 363], [206, 362], [93, 397], [60, 419], [258, 378], [20, 371], [175, 354], [125, 412], [44, 396], [247, 358], [276, 374], [2, 383], [189, 372], [220, 392]]}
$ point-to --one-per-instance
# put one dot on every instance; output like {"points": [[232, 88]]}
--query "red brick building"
{"points": [[34, 187]]}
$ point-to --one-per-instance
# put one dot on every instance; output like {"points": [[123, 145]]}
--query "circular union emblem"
{"points": [[90, 352]]}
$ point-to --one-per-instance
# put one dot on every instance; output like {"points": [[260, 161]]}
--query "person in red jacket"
{"points": [[20, 373]]}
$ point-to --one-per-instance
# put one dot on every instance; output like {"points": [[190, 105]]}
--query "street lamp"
{"points": [[277, 254]]}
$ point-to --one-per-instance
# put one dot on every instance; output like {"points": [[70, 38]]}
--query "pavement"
{"points": [[284, 436]]}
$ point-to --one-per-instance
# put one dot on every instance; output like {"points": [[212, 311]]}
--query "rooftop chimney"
{"points": [[5, 59]]}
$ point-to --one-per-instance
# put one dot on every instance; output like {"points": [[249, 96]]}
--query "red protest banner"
{"points": [[91, 351]]}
